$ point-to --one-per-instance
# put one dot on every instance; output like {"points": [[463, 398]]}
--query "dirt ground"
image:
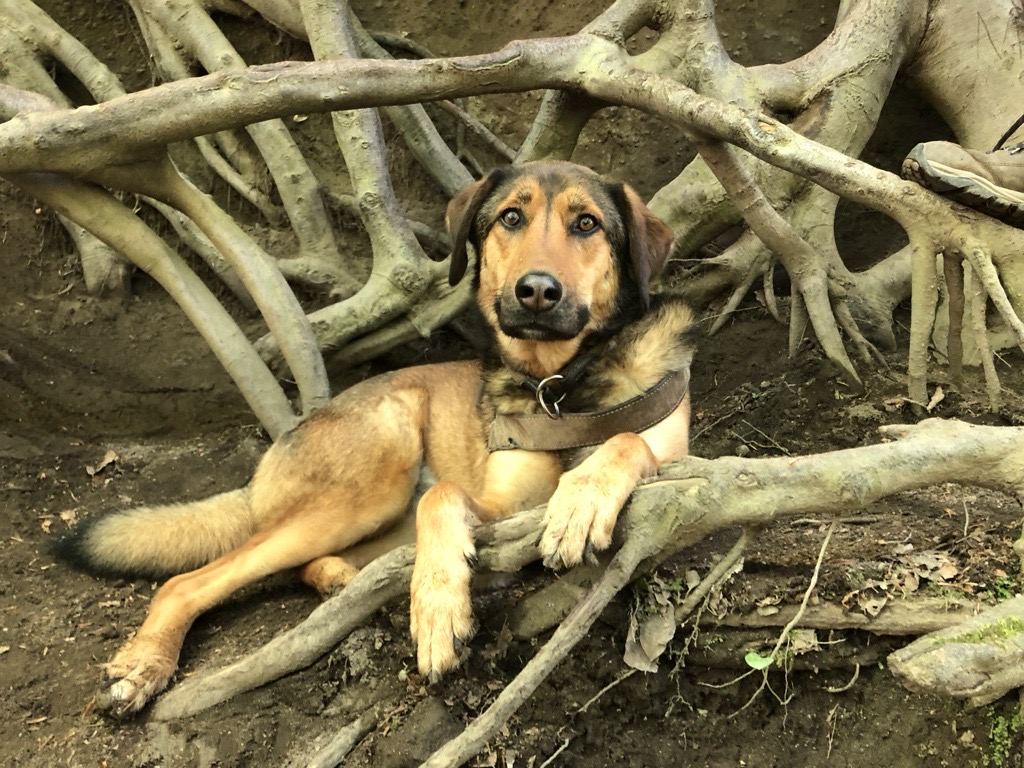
{"points": [[104, 404]]}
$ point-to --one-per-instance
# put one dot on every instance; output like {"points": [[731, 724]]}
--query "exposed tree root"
{"points": [[582, 62], [329, 753], [717, 576], [101, 213], [916, 616], [575, 627], [979, 660], [187, 23], [804, 267], [26, 37]]}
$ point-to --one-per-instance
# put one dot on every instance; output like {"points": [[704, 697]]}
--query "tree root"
{"points": [[596, 68], [724, 569], [795, 254], [337, 747], [188, 23], [575, 627], [107, 218], [916, 616], [104, 270], [979, 660], [978, 326], [255, 268]]}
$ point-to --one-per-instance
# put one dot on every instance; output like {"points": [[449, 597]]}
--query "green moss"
{"points": [[1011, 626]]}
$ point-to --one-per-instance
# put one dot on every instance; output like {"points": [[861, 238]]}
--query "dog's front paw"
{"points": [[137, 673], [441, 614], [580, 516]]}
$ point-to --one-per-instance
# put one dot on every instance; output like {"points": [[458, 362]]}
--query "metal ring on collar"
{"points": [[551, 409]]}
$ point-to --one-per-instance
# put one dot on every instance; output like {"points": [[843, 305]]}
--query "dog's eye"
{"points": [[511, 218], [586, 223]]}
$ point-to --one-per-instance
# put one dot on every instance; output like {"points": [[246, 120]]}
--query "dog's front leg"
{"points": [[586, 503], [440, 606]]}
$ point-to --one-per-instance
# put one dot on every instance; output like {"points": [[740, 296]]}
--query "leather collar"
{"points": [[560, 431]]}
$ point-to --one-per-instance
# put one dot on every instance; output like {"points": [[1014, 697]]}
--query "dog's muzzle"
{"points": [[537, 307]]}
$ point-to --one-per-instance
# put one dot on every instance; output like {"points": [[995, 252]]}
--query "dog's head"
{"points": [[560, 253]]}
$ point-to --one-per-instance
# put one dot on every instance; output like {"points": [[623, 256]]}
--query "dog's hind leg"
{"points": [[145, 663], [327, 514], [327, 575]]}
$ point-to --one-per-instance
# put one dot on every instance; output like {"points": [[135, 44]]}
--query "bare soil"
{"points": [[104, 404]]}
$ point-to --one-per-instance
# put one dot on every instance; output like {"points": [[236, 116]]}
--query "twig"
{"points": [[767, 437], [556, 753], [833, 722], [624, 676], [723, 570], [784, 635]]}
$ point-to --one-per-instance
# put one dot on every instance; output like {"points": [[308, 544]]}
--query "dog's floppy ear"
{"points": [[650, 240], [459, 219]]}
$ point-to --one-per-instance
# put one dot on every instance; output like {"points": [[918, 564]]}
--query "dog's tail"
{"points": [[155, 542]]}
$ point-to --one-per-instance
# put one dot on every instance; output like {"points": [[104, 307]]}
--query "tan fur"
{"points": [[335, 493]]}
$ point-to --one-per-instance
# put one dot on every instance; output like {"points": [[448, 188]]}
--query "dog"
{"points": [[582, 393]]}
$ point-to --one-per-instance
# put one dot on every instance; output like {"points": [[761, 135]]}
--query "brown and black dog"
{"points": [[562, 279]]}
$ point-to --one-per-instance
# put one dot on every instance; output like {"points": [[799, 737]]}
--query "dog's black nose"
{"points": [[538, 291]]}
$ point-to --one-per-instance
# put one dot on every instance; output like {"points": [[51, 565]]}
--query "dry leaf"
{"points": [[947, 571], [692, 579], [872, 606], [803, 641], [644, 644]]}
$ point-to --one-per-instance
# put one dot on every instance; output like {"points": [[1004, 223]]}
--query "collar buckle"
{"points": [[550, 408]]}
